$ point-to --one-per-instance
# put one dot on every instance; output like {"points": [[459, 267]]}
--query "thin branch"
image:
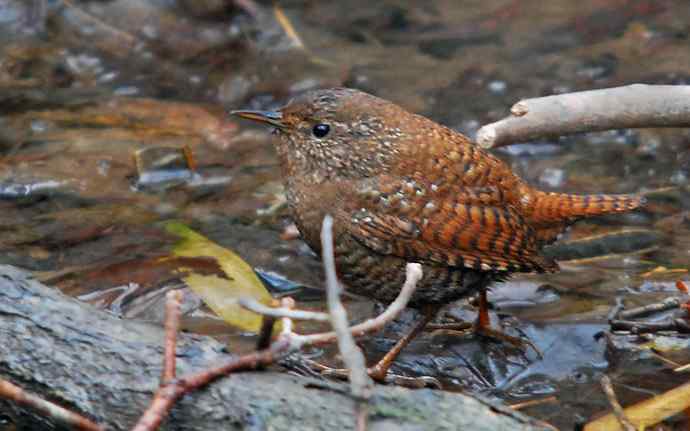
{"points": [[172, 325], [615, 405], [682, 368], [171, 391], [678, 325], [413, 274], [360, 382], [46, 408], [657, 307], [632, 106], [252, 304], [532, 403], [286, 343]]}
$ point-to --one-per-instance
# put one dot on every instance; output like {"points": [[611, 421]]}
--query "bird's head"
{"points": [[336, 133]]}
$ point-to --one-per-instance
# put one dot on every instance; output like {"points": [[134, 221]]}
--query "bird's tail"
{"points": [[548, 208]]}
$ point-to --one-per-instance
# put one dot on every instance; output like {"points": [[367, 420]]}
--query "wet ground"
{"points": [[112, 120]]}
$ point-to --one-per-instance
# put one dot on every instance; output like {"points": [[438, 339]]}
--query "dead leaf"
{"points": [[220, 291]]}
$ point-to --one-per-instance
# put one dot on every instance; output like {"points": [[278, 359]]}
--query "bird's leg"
{"points": [[379, 371], [483, 319], [482, 326]]}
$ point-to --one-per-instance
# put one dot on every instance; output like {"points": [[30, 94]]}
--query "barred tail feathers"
{"points": [[548, 208]]}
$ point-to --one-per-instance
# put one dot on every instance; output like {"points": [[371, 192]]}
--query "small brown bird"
{"points": [[402, 188]]}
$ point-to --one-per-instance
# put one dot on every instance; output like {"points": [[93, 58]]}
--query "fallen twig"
{"points": [[632, 106], [615, 405], [252, 304], [172, 325], [648, 412], [170, 391], [531, 403], [18, 395], [657, 307], [287, 27], [682, 368], [360, 382], [678, 325]]}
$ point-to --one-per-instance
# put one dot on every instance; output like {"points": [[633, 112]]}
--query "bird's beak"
{"points": [[274, 118]]}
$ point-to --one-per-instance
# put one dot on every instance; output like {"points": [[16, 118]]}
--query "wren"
{"points": [[402, 188]]}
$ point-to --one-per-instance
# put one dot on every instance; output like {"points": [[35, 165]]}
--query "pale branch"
{"points": [[257, 307], [360, 382], [645, 310], [413, 273], [615, 405], [631, 106], [172, 325], [636, 327]]}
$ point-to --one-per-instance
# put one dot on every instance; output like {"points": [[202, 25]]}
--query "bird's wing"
{"points": [[470, 227]]}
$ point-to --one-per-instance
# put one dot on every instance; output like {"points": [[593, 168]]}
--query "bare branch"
{"points": [[413, 275], [615, 405], [252, 304], [360, 382], [46, 408], [171, 390], [172, 325], [645, 310], [535, 402], [637, 327], [632, 106]]}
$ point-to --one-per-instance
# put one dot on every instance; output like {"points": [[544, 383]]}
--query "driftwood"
{"points": [[107, 369], [632, 106]]}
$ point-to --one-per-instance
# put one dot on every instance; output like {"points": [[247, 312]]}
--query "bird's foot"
{"points": [[480, 328], [495, 334]]}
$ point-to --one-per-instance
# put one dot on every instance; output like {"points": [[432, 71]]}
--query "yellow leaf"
{"points": [[220, 291], [648, 412]]}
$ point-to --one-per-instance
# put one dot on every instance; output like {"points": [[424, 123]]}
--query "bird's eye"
{"points": [[321, 130]]}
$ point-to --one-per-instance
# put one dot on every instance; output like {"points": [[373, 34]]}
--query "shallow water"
{"points": [[97, 100]]}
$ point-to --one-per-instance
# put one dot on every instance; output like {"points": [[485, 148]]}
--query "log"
{"points": [[107, 369]]}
